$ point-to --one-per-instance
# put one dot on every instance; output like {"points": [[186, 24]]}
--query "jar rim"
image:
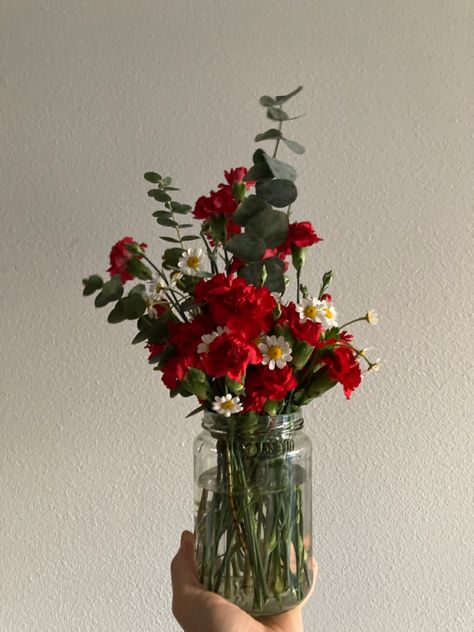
{"points": [[260, 424]]}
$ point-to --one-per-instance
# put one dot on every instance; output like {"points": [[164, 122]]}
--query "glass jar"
{"points": [[253, 518]]}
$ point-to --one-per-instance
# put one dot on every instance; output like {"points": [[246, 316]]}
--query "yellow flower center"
{"points": [[328, 312], [310, 311], [275, 353], [193, 261], [227, 405]]}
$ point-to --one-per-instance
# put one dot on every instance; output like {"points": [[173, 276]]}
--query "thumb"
{"points": [[183, 567]]}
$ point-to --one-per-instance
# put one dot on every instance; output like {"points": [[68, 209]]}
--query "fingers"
{"points": [[183, 568]]}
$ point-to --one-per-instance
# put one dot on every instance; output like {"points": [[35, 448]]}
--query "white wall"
{"points": [[95, 478]]}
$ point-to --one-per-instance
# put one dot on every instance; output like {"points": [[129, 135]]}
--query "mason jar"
{"points": [[253, 514]]}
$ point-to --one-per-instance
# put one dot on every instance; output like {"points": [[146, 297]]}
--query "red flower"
{"points": [[221, 202], [307, 331], [229, 354], [300, 235], [119, 255], [344, 368], [262, 384], [185, 337], [236, 304]]}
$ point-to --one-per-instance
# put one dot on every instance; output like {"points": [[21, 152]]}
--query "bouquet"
{"points": [[215, 324]]}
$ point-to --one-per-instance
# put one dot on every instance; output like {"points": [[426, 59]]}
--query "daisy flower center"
{"points": [[193, 261], [310, 311], [328, 312], [275, 352], [228, 405]]}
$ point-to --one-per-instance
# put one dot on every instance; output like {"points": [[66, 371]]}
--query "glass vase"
{"points": [[253, 514]]}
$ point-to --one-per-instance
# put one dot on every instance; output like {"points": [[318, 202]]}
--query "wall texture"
{"points": [[95, 470]]}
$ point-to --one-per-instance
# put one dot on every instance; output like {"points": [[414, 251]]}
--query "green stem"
{"points": [[175, 301], [280, 123]]}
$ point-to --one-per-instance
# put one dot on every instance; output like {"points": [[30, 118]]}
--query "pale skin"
{"points": [[198, 610]]}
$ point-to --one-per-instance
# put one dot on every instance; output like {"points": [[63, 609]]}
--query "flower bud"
{"points": [[298, 256]]}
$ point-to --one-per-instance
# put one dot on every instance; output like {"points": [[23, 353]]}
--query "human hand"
{"points": [[199, 610]]}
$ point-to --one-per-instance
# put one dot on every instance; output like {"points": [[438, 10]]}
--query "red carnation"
{"points": [[300, 235], [307, 331], [263, 384], [119, 255], [232, 301], [343, 367], [220, 202], [229, 354]]}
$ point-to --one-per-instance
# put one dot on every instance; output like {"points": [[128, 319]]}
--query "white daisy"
{"points": [[191, 261], [275, 351], [226, 405], [372, 317], [329, 315], [311, 309], [203, 346]]}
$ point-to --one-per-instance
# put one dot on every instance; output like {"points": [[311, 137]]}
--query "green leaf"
{"points": [[279, 193], [270, 225], [259, 171], [267, 101], [269, 134], [159, 195], [138, 289], [280, 169], [252, 273], [189, 237], [116, 315], [171, 256], [132, 306], [195, 411], [166, 181], [164, 221], [186, 226], [286, 97], [275, 281], [327, 278], [246, 247], [176, 207], [171, 189], [275, 114], [161, 214], [251, 206], [111, 291], [294, 146], [258, 156], [151, 329], [152, 177], [92, 284], [139, 269], [171, 240]]}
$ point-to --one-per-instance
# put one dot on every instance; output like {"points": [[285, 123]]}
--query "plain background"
{"points": [[96, 468]]}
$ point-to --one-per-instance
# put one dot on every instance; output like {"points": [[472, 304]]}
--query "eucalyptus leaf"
{"points": [[294, 146], [171, 257], [116, 315], [159, 195], [246, 247], [269, 134], [259, 171], [279, 169], [267, 101], [132, 306], [279, 193], [251, 206], [92, 284], [176, 207], [152, 177], [164, 221], [166, 181], [286, 97], [112, 290], [161, 214], [138, 289], [171, 240], [275, 114], [189, 237], [186, 226], [270, 225]]}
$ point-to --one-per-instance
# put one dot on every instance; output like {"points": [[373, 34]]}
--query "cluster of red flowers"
{"points": [[227, 337], [235, 317]]}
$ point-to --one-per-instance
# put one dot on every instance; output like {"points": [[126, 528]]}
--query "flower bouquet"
{"points": [[215, 324]]}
